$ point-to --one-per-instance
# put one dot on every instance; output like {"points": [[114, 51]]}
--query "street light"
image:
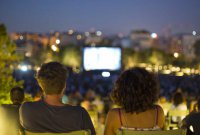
{"points": [[54, 48], [87, 34], [57, 41], [98, 33], [70, 32], [24, 68], [78, 37], [105, 74], [194, 33], [21, 37], [154, 35], [176, 55]]}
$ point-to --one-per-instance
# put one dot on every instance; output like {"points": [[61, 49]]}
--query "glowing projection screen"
{"points": [[102, 58]]}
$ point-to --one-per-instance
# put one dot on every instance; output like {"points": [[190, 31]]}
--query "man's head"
{"points": [[17, 95], [52, 78]]}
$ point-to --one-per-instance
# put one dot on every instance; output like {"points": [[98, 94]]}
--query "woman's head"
{"points": [[52, 78], [136, 90]]}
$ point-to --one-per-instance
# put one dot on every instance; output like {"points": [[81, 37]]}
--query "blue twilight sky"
{"points": [[110, 16]]}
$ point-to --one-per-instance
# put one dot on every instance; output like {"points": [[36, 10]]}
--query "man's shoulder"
{"points": [[76, 108], [30, 105]]}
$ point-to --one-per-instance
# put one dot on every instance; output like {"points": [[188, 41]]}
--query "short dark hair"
{"points": [[17, 95], [135, 90], [52, 78]]}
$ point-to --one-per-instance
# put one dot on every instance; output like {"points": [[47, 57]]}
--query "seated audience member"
{"points": [[178, 104], [49, 114], [192, 122], [136, 91], [10, 112], [17, 96], [88, 101], [194, 104], [164, 104], [99, 104], [75, 98]]}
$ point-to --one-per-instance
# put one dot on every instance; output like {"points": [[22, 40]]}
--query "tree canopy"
{"points": [[8, 59], [71, 55]]}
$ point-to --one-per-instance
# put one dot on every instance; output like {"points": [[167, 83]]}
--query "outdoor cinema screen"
{"points": [[101, 58]]}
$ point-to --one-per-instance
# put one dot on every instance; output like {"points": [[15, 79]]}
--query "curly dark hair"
{"points": [[52, 77], [136, 90]]}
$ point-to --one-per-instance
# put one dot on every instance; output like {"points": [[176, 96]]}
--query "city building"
{"points": [[141, 39], [188, 41], [93, 38]]}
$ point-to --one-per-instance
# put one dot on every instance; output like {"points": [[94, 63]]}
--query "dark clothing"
{"points": [[42, 117], [193, 120], [10, 112]]}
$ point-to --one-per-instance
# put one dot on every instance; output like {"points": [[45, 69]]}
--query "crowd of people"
{"points": [[135, 103]]}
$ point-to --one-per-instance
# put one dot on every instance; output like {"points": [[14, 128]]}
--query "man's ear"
{"points": [[40, 84]]}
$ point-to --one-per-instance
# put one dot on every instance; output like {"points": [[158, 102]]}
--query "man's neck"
{"points": [[54, 100]]}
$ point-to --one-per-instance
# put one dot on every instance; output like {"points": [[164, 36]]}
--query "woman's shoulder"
{"points": [[113, 118], [159, 109], [155, 108], [160, 116], [114, 111], [114, 114]]}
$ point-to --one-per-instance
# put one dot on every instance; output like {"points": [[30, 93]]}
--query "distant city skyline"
{"points": [[111, 17]]}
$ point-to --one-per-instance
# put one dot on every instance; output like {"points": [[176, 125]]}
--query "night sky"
{"points": [[110, 16]]}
